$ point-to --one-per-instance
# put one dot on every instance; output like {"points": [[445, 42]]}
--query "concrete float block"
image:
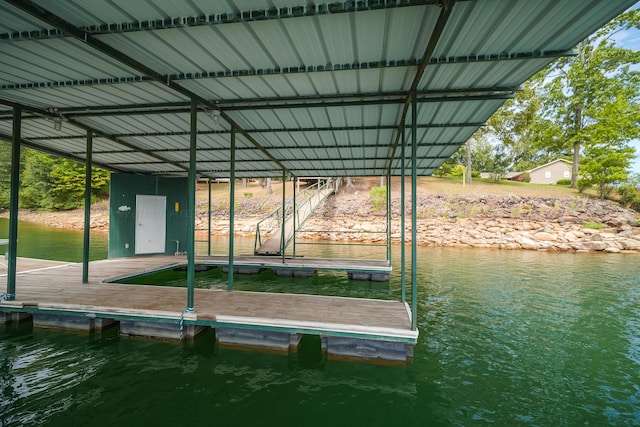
{"points": [[358, 275], [270, 341], [345, 348], [368, 276], [8, 317], [85, 323], [380, 277], [162, 330], [295, 272], [243, 269]]}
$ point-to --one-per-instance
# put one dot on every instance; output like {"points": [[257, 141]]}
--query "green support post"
{"points": [[232, 202], [295, 216], [191, 220], [403, 258], [13, 204], [284, 213], [388, 216], [209, 219], [87, 208], [414, 197]]}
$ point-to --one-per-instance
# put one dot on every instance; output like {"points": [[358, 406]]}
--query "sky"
{"points": [[630, 39]]}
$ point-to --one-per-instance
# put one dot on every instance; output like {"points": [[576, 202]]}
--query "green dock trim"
{"points": [[259, 324]]}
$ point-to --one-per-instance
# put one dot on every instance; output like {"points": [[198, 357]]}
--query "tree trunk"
{"points": [[245, 182], [576, 163], [349, 182], [468, 178], [269, 190], [382, 181]]}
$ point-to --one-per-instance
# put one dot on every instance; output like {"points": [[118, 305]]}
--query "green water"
{"points": [[38, 241], [506, 339]]}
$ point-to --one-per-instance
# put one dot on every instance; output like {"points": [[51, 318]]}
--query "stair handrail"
{"points": [[273, 220]]}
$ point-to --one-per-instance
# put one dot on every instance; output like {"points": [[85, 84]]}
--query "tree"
{"points": [[605, 165], [580, 88], [520, 127], [52, 183], [5, 174]]}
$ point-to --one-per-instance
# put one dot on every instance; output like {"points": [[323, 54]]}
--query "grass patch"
{"points": [[378, 197], [594, 225]]}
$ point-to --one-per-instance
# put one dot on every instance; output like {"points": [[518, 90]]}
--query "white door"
{"points": [[151, 224]]}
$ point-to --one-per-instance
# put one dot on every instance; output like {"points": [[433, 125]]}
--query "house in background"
{"points": [[551, 172]]}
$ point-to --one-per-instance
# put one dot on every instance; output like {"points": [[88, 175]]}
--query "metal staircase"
{"points": [[274, 234]]}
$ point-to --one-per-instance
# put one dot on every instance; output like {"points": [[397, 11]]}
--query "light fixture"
{"points": [[215, 115], [57, 123]]}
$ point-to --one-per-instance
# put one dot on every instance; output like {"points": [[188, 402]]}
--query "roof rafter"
{"points": [[322, 68], [48, 150], [231, 17], [85, 37], [443, 17], [96, 132]]}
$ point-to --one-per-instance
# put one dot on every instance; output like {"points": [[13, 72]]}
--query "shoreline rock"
{"points": [[471, 221]]}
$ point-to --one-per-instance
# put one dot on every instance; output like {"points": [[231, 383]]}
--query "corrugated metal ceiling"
{"points": [[319, 89]]}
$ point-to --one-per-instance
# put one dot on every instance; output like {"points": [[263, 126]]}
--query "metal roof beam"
{"points": [[443, 18], [277, 130], [304, 101], [96, 132], [70, 156], [90, 40], [231, 17], [317, 102], [221, 74]]}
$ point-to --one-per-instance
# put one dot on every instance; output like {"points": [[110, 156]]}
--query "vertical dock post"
{"points": [[414, 196], [295, 215], [209, 218], [388, 216], [87, 207], [403, 258], [191, 220], [284, 213], [13, 204], [232, 202]]}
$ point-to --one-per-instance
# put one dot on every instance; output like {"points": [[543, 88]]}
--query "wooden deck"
{"points": [[57, 288]]}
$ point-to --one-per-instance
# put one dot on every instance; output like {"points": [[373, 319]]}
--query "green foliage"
{"points": [[248, 194], [630, 193], [378, 197], [566, 181], [520, 126], [52, 183], [629, 196], [606, 165], [5, 174], [594, 225], [444, 170], [593, 97]]}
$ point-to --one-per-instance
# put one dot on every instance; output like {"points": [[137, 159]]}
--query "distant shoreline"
{"points": [[468, 221]]}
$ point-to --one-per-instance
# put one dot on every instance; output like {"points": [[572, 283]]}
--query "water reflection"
{"points": [[507, 338], [37, 373]]}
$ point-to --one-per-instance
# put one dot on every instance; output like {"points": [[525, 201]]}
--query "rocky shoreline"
{"points": [[471, 221]]}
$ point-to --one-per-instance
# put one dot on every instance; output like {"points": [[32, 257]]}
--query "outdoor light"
{"points": [[215, 115], [57, 123]]}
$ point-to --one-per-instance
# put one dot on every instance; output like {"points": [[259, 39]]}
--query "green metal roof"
{"points": [[321, 89]]}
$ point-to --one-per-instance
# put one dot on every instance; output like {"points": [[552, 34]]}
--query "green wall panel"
{"points": [[122, 211]]}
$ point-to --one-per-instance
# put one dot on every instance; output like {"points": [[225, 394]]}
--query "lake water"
{"points": [[506, 338]]}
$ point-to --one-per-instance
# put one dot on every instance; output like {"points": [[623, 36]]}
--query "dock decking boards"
{"points": [[60, 289]]}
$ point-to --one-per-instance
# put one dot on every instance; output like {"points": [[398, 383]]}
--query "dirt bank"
{"points": [[505, 221]]}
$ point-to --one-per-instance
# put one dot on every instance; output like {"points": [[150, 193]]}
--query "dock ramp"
{"points": [[272, 238]]}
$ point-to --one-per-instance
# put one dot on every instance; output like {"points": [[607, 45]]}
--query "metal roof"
{"points": [[319, 89]]}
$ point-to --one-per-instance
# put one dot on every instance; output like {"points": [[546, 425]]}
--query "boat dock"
{"points": [[53, 295]]}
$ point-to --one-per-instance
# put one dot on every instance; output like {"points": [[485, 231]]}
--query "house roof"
{"points": [[315, 89], [550, 163]]}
